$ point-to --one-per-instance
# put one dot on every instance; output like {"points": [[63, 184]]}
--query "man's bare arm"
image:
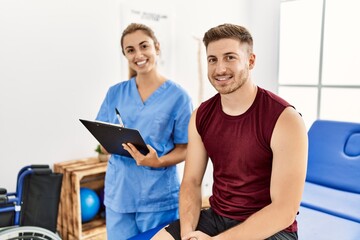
{"points": [[190, 190]]}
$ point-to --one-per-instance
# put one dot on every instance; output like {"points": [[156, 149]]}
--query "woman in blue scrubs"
{"points": [[142, 192]]}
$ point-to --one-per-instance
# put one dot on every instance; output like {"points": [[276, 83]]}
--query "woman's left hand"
{"points": [[151, 159]]}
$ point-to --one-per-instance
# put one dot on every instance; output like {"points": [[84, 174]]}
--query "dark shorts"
{"points": [[213, 224]]}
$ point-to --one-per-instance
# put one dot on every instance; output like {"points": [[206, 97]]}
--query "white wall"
{"points": [[265, 28], [58, 58]]}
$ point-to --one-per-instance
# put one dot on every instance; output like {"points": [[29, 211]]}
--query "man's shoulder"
{"points": [[273, 97], [208, 108], [210, 101]]}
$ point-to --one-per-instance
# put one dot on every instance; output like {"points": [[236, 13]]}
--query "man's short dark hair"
{"points": [[228, 30]]}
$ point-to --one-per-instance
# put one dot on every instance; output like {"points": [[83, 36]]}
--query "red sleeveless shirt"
{"points": [[239, 148]]}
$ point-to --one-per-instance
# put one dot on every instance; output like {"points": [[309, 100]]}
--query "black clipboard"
{"points": [[112, 136]]}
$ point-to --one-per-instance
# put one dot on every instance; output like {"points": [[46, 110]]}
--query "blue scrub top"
{"points": [[163, 122]]}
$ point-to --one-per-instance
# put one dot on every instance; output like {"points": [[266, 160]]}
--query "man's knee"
{"points": [[162, 235]]}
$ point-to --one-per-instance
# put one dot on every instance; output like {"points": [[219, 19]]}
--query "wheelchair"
{"points": [[31, 211]]}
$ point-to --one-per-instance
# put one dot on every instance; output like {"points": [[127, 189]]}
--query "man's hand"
{"points": [[196, 235]]}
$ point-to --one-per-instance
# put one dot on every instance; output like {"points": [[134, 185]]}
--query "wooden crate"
{"points": [[64, 167], [87, 172]]}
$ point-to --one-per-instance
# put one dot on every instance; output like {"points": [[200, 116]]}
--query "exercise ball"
{"points": [[90, 204]]}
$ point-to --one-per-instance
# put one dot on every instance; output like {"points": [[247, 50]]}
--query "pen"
{"points": [[119, 118]]}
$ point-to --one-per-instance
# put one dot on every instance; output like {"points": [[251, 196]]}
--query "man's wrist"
{"points": [[185, 230]]}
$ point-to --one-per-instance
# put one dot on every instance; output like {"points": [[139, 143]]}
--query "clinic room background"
{"points": [[58, 58]]}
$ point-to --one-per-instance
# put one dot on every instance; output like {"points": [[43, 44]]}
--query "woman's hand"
{"points": [[151, 159], [103, 150]]}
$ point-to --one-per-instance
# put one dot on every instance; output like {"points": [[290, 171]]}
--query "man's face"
{"points": [[229, 64]]}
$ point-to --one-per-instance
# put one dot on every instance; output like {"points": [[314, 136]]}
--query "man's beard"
{"points": [[234, 86]]}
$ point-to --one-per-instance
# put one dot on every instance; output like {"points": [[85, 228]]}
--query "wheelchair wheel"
{"points": [[27, 232]]}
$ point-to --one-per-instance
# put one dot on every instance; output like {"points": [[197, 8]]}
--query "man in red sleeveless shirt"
{"points": [[257, 143]]}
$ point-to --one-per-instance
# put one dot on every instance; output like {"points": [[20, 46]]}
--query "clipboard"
{"points": [[112, 136]]}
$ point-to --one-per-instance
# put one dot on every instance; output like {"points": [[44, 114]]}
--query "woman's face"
{"points": [[140, 51]]}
